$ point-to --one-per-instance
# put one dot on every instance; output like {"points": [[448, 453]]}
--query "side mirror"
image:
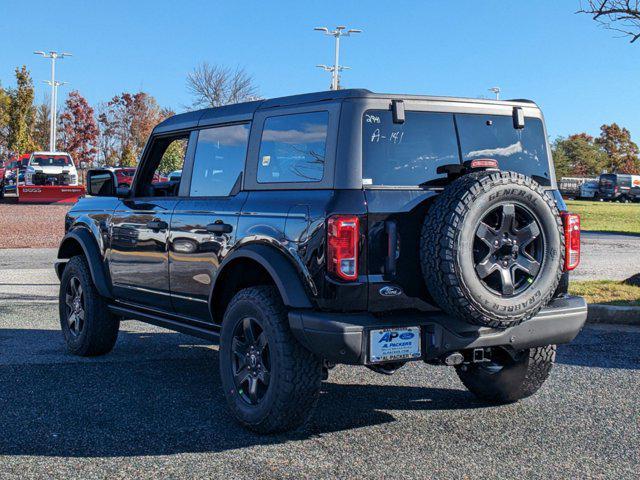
{"points": [[101, 183]]}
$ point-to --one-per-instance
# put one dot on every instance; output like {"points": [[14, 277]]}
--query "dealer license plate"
{"points": [[389, 344]]}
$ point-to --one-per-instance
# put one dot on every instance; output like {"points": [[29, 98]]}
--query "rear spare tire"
{"points": [[492, 248]]}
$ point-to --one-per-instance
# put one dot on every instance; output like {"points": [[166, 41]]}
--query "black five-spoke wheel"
{"points": [[508, 249], [74, 300], [251, 360]]}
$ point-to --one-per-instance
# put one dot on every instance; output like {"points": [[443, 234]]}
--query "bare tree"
{"points": [[622, 16], [214, 85]]}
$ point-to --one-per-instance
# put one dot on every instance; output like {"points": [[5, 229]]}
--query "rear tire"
{"points": [[270, 381], [507, 380], [88, 327]]}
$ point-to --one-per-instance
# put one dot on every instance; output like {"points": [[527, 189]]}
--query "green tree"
{"points": [[41, 125], [128, 157], [173, 156], [21, 113], [578, 156], [621, 151], [5, 104]]}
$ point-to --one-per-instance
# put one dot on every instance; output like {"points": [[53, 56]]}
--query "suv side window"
{"points": [[166, 154], [219, 160], [293, 147]]}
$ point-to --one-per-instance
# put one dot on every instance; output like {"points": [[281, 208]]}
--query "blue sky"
{"points": [[581, 75]]}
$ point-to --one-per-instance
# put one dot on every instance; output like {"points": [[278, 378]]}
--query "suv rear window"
{"points": [[405, 154], [293, 148], [409, 153], [493, 136]]}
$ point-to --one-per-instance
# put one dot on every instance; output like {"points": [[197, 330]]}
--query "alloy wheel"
{"points": [[74, 300], [508, 249], [251, 362]]}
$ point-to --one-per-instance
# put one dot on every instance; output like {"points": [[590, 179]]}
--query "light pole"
{"points": [[336, 68], [54, 94], [496, 90]]}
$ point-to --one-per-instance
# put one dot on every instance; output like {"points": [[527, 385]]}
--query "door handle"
{"points": [[157, 225], [219, 227]]}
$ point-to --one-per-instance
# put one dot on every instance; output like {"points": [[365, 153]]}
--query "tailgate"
{"points": [[394, 222]]}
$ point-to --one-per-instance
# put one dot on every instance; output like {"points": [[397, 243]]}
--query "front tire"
{"points": [[270, 381], [88, 327], [507, 378]]}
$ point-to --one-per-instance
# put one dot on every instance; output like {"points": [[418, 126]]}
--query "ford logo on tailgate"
{"points": [[389, 291]]}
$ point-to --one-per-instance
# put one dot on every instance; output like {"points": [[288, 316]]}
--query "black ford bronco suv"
{"points": [[334, 227]]}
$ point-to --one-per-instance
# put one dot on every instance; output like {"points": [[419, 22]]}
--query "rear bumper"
{"points": [[342, 338]]}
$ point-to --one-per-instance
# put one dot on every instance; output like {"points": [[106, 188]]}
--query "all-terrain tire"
{"points": [[447, 248], [295, 373], [517, 379], [98, 329]]}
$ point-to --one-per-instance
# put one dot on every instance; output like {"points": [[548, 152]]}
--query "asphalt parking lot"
{"points": [[153, 407], [608, 256]]}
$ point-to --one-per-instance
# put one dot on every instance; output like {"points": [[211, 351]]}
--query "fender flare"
{"points": [[93, 255], [283, 272]]}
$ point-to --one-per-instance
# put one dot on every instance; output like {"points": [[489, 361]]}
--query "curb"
{"points": [[599, 313]]}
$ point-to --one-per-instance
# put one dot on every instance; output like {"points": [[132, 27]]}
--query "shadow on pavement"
{"points": [[137, 405]]}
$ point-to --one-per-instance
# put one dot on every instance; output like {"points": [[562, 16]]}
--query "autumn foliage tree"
{"points": [[128, 119], [78, 129], [621, 151], [582, 155], [578, 156]]}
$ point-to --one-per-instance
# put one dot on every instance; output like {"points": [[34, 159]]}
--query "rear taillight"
{"points": [[571, 223], [342, 246]]}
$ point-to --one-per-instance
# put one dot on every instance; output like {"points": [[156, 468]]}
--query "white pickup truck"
{"points": [[51, 168]]}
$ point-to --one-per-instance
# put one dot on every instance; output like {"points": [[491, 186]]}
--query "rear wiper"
{"points": [[452, 170]]}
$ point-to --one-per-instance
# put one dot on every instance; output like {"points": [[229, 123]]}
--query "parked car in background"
{"points": [[175, 176], [616, 187], [19, 166], [125, 175], [2, 174], [50, 168], [570, 187], [589, 190]]}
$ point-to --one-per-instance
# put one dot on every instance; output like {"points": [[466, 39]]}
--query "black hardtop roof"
{"points": [[245, 110]]}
